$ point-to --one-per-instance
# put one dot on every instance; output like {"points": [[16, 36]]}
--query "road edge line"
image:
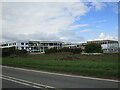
{"points": [[19, 82], [27, 82], [61, 74]]}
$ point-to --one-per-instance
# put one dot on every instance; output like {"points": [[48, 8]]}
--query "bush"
{"points": [[8, 51], [93, 48], [12, 51], [51, 50], [62, 50], [76, 50]]}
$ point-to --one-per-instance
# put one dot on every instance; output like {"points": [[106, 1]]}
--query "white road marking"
{"points": [[32, 84], [61, 74], [19, 82]]}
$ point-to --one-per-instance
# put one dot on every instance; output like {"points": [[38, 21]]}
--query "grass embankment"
{"points": [[105, 66]]}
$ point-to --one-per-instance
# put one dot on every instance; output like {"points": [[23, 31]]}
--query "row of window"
{"points": [[24, 48], [9, 44], [45, 44], [24, 43], [106, 42]]}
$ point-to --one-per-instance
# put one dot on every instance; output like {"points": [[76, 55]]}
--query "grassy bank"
{"points": [[104, 66]]}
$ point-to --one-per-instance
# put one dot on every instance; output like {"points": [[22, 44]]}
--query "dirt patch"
{"points": [[60, 53], [13, 56], [68, 58]]}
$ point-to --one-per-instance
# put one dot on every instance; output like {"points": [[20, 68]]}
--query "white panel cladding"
{"points": [[8, 44], [40, 46], [108, 46], [23, 45]]}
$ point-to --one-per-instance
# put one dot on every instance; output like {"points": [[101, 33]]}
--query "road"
{"points": [[54, 80], [12, 84]]}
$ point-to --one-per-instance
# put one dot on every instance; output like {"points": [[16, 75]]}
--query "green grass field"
{"points": [[104, 66]]}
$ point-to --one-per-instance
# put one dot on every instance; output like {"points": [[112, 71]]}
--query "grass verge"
{"points": [[85, 68]]}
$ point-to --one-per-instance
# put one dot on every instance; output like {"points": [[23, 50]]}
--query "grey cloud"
{"points": [[28, 21], [24, 37], [40, 36]]}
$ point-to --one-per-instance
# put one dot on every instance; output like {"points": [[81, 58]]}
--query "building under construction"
{"points": [[108, 46]]}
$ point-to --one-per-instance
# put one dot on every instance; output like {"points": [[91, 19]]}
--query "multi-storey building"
{"points": [[32, 46], [74, 45], [108, 46], [69, 45], [40, 46], [17, 45], [8, 44], [22, 45]]}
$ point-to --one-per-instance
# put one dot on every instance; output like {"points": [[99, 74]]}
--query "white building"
{"points": [[40, 46], [69, 45], [8, 44], [17, 45], [108, 46], [32, 46], [23, 45]]}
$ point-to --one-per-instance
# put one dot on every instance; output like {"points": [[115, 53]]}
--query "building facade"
{"points": [[108, 46], [8, 44], [41, 46], [23, 45], [32, 46]]}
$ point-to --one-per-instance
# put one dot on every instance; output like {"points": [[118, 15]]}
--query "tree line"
{"points": [[62, 50], [89, 48], [12, 51]]}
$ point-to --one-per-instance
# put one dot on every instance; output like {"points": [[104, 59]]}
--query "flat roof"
{"points": [[102, 41], [48, 41], [7, 42]]}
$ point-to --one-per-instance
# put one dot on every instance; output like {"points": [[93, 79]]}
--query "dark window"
{"points": [[22, 47], [31, 44], [51, 44], [22, 43], [10, 44], [60, 44], [26, 47], [4, 44], [55, 43], [14, 43], [26, 43]]}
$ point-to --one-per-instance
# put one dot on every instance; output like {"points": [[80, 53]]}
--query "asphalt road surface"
{"points": [[12, 84], [52, 80]]}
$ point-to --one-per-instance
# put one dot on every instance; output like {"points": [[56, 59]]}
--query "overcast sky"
{"points": [[61, 21]]}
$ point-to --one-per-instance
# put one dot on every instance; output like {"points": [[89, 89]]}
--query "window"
{"points": [[55, 43], [51, 44], [27, 48], [14, 43], [22, 43], [4, 44], [22, 47], [26, 43], [10, 44]]}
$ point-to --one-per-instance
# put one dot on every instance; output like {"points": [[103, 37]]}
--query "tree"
{"points": [[63, 50], [76, 50], [12, 51], [93, 48]]}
